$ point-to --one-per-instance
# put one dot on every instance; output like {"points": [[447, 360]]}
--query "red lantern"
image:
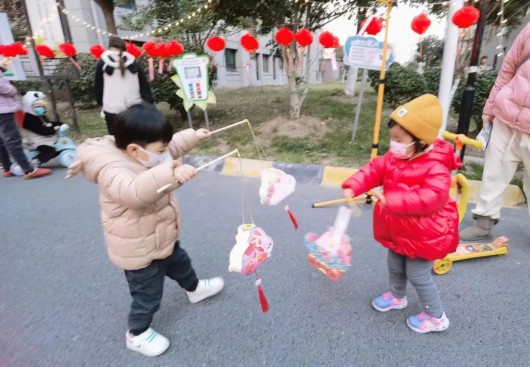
{"points": [[336, 42], [326, 39], [216, 43], [96, 51], [304, 37], [466, 17], [151, 49], [176, 48], [14, 50], [420, 24], [67, 49], [163, 50], [284, 36], [375, 26], [133, 50], [249, 43], [44, 51]]}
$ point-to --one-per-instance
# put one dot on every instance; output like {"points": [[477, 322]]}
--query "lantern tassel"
{"points": [[161, 66], [262, 299], [151, 69], [76, 64], [291, 217], [169, 66]]}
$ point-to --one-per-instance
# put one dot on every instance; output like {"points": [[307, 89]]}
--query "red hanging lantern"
{"points": [[420, 24], [151, 50], [96, 51], [216, 43], [304, 37], [326, 39], [336, 42], [17, 49], [45, 52], [375, 26], [176, 48], [284, 36], [67, 49], [466, 17], [133, 49], [249, 43]]}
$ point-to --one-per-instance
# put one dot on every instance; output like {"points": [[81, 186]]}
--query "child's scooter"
{"points": [[64, 145], [460, 185]]}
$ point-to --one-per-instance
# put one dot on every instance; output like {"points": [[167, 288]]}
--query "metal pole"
{"points": [[64, 22], [206, 120], [448, 62], [469, 93], [359, 105], [190, 121]]}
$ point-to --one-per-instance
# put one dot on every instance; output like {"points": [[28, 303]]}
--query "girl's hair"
{"points": [[118, 43], [141, 124], [122, 64], [418, 145]]}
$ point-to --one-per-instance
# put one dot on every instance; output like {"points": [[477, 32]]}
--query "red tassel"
{"points": [[151, 70], [262, 299], [161, 66], [291, 216]]}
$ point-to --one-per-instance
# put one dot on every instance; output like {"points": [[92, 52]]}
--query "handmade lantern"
{"points": [[276, 186]]}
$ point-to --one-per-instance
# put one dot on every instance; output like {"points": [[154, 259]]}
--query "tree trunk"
{"points": [[294, 98], [107, 7]]}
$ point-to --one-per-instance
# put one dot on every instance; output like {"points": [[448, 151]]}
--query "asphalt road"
{"points": [[62, 303]]}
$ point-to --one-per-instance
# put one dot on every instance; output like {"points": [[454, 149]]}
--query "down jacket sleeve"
{"points": [[6, 88], [133, 190], [182, 142], [368, 177], [423, 199]]}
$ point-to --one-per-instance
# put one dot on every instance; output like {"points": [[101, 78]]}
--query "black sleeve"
{"points": [[98, 83], [47, 120], [145, 89], [36, 125]]}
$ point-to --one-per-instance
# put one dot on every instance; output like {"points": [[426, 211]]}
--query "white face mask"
{"points": [[154, 159], [399, 150]]}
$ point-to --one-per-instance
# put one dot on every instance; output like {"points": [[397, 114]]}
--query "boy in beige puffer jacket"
{"points": [[141, 227]]}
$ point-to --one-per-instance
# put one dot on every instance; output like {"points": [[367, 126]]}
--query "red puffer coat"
{"points": [[419, 219]]}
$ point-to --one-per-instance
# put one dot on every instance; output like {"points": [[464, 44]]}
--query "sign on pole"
{"points": [[193, 72], [365, 53], [15, 71]]}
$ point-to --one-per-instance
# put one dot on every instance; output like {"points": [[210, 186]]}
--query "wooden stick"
{"points": [[338, 201], [173, 186], [229, 127]]}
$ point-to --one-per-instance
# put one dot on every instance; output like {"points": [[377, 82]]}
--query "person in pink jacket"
{"points": [[508, 109], [141, 227], [414, 217]]}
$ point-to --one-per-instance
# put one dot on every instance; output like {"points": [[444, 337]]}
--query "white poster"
{"points": [[15, 71], [193, 72]]}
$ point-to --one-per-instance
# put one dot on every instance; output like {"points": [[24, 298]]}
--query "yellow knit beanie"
{"points": [[421, 117]]}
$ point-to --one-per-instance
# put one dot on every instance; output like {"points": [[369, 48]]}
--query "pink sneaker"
{"points": [[423, 323], [387, 302]]}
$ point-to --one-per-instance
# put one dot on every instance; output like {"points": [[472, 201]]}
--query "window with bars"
{"points": [[257, 67], [230, 59], [266, 62]]}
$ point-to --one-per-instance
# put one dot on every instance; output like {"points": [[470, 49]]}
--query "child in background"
{"points": [[414, 217], [141, 227]]}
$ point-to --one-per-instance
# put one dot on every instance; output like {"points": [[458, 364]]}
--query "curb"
{"points": [[322, 175]]}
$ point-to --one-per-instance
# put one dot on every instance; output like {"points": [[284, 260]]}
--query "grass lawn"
{"points": [[321, 136]]}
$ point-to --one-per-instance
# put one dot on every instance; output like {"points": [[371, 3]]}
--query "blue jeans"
{"points": [[11, 144]]}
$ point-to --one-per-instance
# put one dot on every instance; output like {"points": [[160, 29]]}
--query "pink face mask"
{"points": [[399, 150]]}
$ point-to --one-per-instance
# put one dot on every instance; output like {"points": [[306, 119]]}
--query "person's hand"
{"points": [[380, 196], [487, 120], [74, 169], [185, 173], [347, 193], [202, 134]]}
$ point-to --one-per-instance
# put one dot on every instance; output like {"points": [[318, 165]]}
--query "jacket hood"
{"points": [[111, 61], [97, 153], [443, 152]]}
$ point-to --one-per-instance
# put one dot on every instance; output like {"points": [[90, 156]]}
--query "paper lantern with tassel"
{"points": [[466, 17], [326, 39], [150, 49], [420, 24], [44, 52], [96, 51], [336, 42], [304, 37], [175, 49], [216, 43], [133, 50], [69, 51], [249, 43], [375, 26], [284, 36], [15, 49]]}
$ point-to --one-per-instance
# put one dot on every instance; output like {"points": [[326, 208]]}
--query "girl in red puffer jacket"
{"points": [[414, 218]]}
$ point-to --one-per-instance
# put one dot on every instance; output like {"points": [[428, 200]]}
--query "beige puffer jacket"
{"points": [[139, 225]]}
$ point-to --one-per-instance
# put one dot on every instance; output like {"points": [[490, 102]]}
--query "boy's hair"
{"points": [[141, 124], [417, 142]]}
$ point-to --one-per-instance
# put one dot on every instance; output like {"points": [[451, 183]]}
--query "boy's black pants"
{"points": [[147, 285]]}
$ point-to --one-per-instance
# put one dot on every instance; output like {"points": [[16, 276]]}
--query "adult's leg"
{"points": [[12, 141], [109, 119], [46, 153], [4, 156]]}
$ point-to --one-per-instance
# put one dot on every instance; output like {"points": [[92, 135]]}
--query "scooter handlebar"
{"points": [[462, 139]]}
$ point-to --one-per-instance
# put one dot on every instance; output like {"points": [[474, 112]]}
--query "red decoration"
{"points": [[96, 51], [67, 49], [466, 17], [13, 50], [420, 24], [44, 51], [163, 50], [304, 37], [326, 39], [249, 43], [336, 42], [133, 50], [284, 36], [375, 26], [175, 48], [216, 43], [151, 49]]}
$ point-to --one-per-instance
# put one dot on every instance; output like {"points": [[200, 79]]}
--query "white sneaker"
{"points": [[149, 343], [206, 288]]}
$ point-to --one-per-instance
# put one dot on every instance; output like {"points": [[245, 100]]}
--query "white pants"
{"points": [[507, 147]]}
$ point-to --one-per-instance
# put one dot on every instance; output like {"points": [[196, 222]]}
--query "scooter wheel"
{"points": [[442, 266], [67, 157]]}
